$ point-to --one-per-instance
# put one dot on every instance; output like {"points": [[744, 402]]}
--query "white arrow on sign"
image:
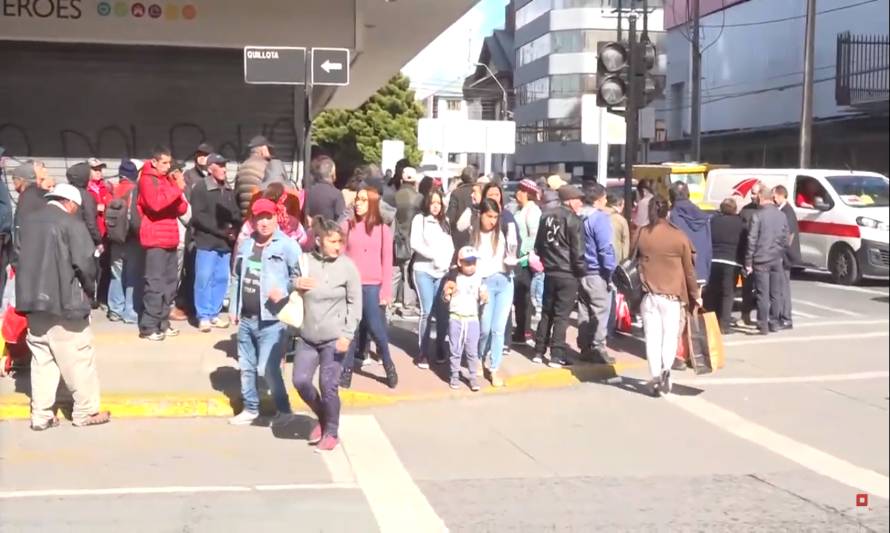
{"points": [[327, 66]]}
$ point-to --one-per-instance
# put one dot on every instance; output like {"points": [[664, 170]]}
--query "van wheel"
{"points": [[844, 266]]}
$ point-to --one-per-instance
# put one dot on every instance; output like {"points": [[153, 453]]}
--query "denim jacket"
{"points": [[280, 264]]}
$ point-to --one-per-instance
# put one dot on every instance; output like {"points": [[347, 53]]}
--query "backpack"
{"points": [[122, 217]]}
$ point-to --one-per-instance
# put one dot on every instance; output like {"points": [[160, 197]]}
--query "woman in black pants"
{"points": [[727, 242]]}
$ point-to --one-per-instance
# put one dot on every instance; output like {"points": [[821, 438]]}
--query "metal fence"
{"points": [[863, 69]]}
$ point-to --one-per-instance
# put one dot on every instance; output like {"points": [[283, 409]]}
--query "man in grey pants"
{"points": [[767, 245], [792, 255], [594, 296]]}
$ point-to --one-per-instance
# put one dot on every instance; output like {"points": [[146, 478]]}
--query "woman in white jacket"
{"points": [[433, 251]]}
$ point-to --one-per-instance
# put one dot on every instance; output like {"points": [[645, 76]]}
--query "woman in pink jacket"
{"points": [[369, 245]]}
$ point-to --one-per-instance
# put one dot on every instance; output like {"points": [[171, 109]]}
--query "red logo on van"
{"points": [[743, 188]]}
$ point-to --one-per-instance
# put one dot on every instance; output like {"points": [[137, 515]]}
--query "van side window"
{"points": [[806, 192]]}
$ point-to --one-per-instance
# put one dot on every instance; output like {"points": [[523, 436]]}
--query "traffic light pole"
{"points": [[631, 116]]}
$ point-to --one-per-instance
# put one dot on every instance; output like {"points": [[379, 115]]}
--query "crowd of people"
{"points": [[175, 244]]}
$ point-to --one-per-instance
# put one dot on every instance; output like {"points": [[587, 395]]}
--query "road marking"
{"points": [[796, 312], [397, 503], [789, 379], [852, 289], [841, 323], [826, 308], [811, 458], [781, 339], [131, 491]]}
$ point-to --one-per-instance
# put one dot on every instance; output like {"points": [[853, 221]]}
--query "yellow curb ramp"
{"points": [[179, 405]]}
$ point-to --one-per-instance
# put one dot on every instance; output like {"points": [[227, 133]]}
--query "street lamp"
{"points": [[504, 111]]}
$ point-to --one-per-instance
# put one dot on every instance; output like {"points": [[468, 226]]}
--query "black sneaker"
{"points": [[679, 364], [49, 424]]}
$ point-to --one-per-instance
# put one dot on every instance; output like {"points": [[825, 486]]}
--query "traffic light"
{"points": [[652, 86], [612, 73]]}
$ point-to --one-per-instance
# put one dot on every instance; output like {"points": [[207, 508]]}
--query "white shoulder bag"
{"points": [[292, 312]]}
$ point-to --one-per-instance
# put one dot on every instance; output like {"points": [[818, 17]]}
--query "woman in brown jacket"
{"points": [[667, 272]]}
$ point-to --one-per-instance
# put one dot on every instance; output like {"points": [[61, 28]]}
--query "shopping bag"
{"points": [[623, 320], [697, 338], [716, 349], [15, 326]]}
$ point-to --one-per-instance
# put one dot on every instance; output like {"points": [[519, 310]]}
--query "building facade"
{"points": [[752, 79], [555, 64]]}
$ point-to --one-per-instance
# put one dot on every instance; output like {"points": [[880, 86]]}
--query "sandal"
{"points": [[95, 420]]}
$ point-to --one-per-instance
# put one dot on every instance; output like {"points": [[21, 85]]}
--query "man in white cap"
{"points": [[55, 283], [407, 205]]}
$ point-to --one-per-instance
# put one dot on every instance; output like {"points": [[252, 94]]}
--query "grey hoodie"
{"points": [[334, 307]]}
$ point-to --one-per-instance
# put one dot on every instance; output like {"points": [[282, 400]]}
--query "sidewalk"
{"points": [[196, 374]]}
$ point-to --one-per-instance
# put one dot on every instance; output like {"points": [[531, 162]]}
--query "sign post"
{"points": [[288, 65]]}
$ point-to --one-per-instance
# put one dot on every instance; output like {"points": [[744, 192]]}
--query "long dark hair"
{"points": [[485, 206], [396, 181], [659, 207], [425, 208], [372, 218]]}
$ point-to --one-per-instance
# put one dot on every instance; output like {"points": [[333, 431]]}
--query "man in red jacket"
{"points": [[160, 202]]}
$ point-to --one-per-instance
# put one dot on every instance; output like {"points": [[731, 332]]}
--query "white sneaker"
{"points": [[281, 419], [221, 322], [204, 326], [244, 418]]}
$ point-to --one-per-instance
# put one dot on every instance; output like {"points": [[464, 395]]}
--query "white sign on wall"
{"points": [[205, 23], [392, 151], [616, 130], [466, 136]]}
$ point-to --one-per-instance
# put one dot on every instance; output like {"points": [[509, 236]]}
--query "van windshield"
{"points": [[862, 191], [695, 180]]}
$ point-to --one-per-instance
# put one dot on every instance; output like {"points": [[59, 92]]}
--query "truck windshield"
{"points": [[862, 191]]}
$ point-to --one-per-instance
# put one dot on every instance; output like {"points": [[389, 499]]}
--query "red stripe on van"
{"points": [[829, 228]]}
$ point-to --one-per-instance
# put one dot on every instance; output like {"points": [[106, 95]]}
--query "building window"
{"points": [[534, 91], [660, 131], [536, 49], [564, 129], [531, 11], [572, 85], [453, 105], [569, 4], [573, 41]]}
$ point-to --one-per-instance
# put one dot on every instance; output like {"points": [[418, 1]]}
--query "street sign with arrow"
{"points": [[330, 66]]}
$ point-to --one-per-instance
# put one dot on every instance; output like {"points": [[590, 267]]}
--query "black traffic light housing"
{"points": [[612, 73]]}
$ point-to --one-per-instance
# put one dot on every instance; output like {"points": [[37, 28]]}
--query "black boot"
{"points": [[392, 378], [346, 378]]}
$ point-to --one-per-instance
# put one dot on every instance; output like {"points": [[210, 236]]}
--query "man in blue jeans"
{"points": [[216, 220], [264, 266]]}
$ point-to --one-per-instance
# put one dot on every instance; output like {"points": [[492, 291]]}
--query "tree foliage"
{"points": [[355, 136]]}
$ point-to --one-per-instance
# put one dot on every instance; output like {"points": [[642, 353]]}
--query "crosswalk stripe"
{"points": [[826, 308], [807, 456], [783, 339], [852, 289], [795, 312], [394, 498]]}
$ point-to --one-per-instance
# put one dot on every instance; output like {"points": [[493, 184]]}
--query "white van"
{"points": [[843, 215]]}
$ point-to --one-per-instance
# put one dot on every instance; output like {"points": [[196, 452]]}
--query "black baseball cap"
{"points": [[216, 159], [204, 148]]}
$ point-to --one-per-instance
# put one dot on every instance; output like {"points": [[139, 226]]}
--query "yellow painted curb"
{"points": [[178, 405]]}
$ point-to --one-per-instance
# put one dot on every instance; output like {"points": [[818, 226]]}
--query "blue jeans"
{"points": [[211, 282], [537, 291], [125, 286], [495, 316], [374, 323], [261, 346], [429, 292]]}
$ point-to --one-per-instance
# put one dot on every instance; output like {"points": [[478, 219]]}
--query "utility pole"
{"points": [[806, 113], [695, 118], [631, 114]]}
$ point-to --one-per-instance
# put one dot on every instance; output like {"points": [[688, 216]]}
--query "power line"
{"points": [[786, 19]]}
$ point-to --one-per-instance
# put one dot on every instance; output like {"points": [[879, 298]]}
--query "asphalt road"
{"points": [[783, 439]]}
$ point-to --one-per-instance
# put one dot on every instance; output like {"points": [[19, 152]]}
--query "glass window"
{"points": [[534, 91], [536, 49], [568, 4], [572, 85], [453, 105], [564, 129], [573, 41], [531, 11], [861, 191]]}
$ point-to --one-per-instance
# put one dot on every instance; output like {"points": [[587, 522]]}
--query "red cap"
{"points": [[263, 206]]}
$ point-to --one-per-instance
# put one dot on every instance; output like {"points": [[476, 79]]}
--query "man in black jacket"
{"points": [[216, 220], [79, 176], [749, 300], [792, 257], [461, 198], [54, 286], [560, 245], [198, 172], [765, 257]]}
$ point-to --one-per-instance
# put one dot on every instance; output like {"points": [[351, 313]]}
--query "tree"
{"points": [[355, 137]]}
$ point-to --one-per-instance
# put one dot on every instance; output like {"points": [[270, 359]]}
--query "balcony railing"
{"points": [[863, 69]]}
